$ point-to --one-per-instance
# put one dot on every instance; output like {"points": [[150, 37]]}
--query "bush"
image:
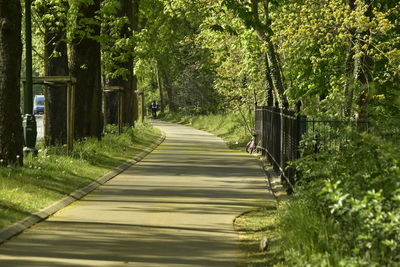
{"points": [[355, 194]]}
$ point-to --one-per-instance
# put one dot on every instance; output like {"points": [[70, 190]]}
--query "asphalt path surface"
{"points": [[174, 208]]}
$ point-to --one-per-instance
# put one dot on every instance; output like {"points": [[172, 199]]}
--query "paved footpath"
{"points": [[174, 208]]}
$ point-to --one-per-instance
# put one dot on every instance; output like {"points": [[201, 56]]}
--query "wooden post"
{"points": [[70, 81], [72, 115], [143, 107], [69, 118], [120, 110], [119, 89]]}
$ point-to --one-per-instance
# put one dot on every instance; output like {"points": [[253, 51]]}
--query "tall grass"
{"points": [[54, 173]]}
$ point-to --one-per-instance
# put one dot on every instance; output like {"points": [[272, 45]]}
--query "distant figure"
{"points": [[154, 107]]}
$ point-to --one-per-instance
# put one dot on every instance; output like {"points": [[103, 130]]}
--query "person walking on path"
{"points": [[154, 108], [174, 208]]}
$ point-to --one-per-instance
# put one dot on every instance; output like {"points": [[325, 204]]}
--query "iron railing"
{"points": [[331, 135], [279, 132]]}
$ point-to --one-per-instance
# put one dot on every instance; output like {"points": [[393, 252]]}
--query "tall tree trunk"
{"points": [[263, 34], [270, 84], [350, 81], [362, 64], [129, 85], [363, 70], [56, 64], [169, 89], [160, 87], [11, 140], [269, 88], [85, 66], [134, 18], [349, 84]]}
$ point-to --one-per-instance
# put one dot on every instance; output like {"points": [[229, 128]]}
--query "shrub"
{"points": [[355, 194]]}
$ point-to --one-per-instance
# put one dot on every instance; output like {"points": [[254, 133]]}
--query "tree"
{"points": [[53, 20], [85, 66], [120, 22], [248, 11], [11, 140]]}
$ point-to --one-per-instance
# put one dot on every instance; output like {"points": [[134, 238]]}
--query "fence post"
{"points": [[302, 125], [282, 145]]}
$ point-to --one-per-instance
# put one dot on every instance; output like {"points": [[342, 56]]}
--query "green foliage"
{"points": [[118, 40], [315, 39], [354, 193], [168, 43], [238, 61]]}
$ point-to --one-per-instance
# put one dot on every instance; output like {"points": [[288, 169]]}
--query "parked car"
{"points": [[38, 104]]}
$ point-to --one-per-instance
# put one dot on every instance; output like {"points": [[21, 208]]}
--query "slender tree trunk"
{"points": [[274, 63], [169, 89], [85, 66], [11, 140], [56, 64], [349, 84], [160, 87], [363, 71], [270, 85], [362, 65], [350, 81]]}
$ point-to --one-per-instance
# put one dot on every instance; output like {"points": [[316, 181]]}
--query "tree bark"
{"points": [[270, 84], [134, 102], [349, 84], [85, 66], [169, 89], [263, 34], [11, 139], [360, 66], [160, 87], [349, 70], [56, 64]]}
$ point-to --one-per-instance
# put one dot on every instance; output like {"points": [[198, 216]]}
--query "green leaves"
{"points": [[357, 186]]}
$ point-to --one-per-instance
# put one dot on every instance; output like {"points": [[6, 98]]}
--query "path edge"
{"points": [[20, 226]]}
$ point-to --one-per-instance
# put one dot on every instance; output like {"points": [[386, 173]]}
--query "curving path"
{"points": [[175, 208]]}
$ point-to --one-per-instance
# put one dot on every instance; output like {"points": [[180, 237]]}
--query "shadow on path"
{"points": [[175, 208]]}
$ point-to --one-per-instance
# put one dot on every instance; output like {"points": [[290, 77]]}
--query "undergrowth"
{"points": [[346, 211]]}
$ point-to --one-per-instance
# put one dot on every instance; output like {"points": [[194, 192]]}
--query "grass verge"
{"points": [[252, 227], [54, 173]]}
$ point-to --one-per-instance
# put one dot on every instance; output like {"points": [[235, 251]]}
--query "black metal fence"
{"points": [[278, 133], [331, 135]]}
